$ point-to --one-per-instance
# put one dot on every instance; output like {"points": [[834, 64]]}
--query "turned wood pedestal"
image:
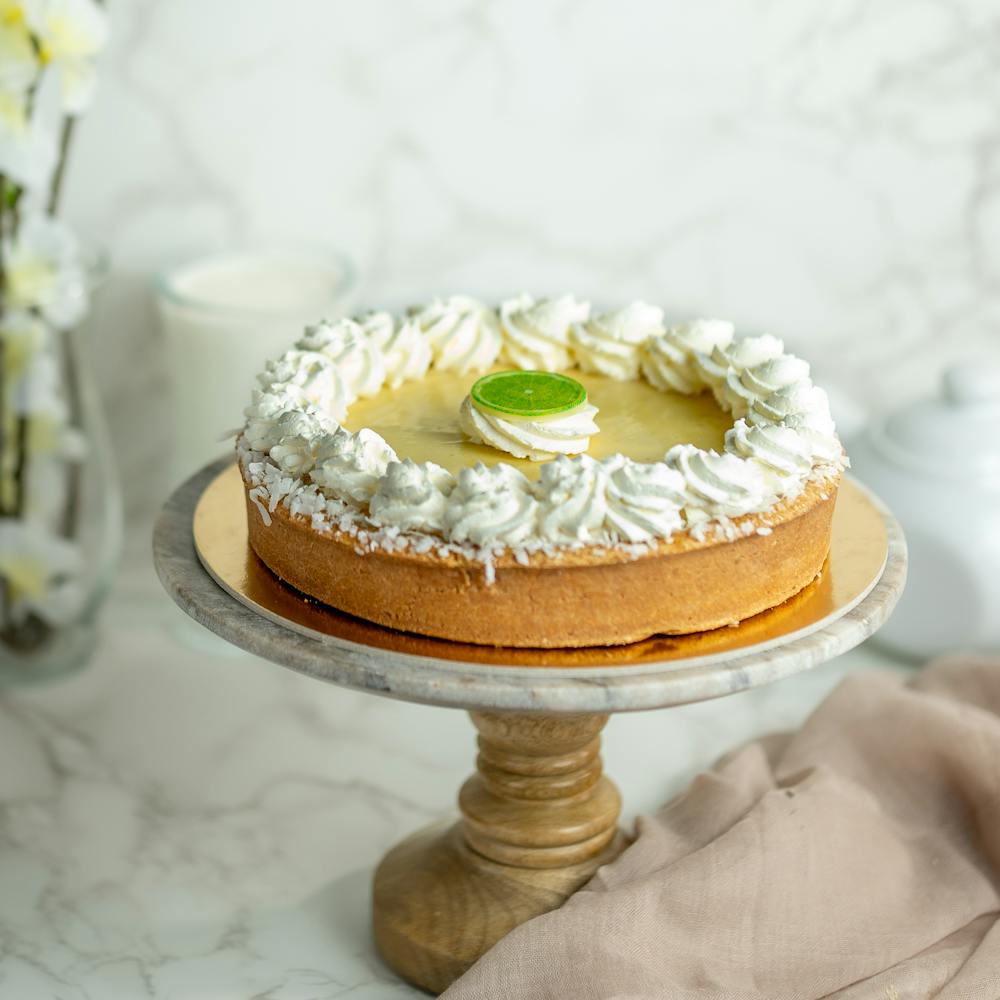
{"points": [[537, 817]]}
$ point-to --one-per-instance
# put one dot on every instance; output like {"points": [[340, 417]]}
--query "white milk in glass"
{"points": [[223, 317]]}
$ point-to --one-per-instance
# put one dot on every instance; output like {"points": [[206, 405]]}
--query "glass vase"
{"points": [[61, 638]]}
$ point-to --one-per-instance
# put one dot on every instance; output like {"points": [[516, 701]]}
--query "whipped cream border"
{"points": [[294, 451]]}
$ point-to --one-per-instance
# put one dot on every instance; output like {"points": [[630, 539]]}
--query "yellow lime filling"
{"points": [[420, 421]]}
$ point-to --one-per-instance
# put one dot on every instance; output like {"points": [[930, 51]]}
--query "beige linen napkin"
{"points": [[857, 858]]}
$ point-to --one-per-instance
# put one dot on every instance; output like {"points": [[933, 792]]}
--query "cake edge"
{"points": [[593, 595]]}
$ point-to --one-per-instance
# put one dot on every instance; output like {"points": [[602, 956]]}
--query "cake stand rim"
{"points": [[460, 684]]}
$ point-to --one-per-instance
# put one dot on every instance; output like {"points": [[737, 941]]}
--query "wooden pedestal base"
{"points": [[538, 819]]}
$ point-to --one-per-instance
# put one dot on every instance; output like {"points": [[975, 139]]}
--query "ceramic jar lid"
{"points": [[956, 434]]}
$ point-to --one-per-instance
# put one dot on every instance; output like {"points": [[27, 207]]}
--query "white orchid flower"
{"points": [[61, 605], [44, 271], [45, 490], [40, 394], [28, 148], [51, 435], [33, 386], [70, 33], [22, 338], [13, 112], [19, 64], [38, 569]]}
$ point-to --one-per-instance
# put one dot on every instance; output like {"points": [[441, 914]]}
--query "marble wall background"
{"points": [[828, 171]]}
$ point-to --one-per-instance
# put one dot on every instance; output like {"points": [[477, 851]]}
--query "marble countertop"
{"points": [[184, 821]]}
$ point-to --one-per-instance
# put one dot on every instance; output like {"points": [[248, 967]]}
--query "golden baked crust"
{"points": [[592, 596]]}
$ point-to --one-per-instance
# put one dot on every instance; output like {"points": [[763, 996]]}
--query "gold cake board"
{"points": [[857, 557]]}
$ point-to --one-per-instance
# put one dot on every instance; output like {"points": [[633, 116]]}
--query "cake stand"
{"points": [[538, 817]]}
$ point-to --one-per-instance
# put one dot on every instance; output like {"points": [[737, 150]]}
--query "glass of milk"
{"points": [[223, 317]]}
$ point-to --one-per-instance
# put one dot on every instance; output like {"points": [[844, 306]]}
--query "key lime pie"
{"points": [[541, 474]]}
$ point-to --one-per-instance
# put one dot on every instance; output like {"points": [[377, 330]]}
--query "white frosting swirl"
{"points": [[821, 436], [406, 352], [349, 466], [357, 357], [712, 368], [644, 500], [805, 409], [716, 367], [463, 333], [779, 372], [262, 415], [412, 497], [609, 344], [491, 504], [746, 354], [298, 433], [719, 484], [669, 360], [536, 334], [537, 438], [797, 399], [377, 325], [573, 502], [761, 380], [784, 454], [315, 377]]}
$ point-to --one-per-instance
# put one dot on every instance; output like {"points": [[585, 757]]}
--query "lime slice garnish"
{"points": [[528, 394]]}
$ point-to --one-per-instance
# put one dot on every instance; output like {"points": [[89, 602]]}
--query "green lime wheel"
{"points": [[528, 394]]}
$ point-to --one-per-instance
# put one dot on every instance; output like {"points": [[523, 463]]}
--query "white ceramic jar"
{"points": [[936, 463], [223, 316]]}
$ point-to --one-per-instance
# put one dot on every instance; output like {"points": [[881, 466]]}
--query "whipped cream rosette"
{"points": [[406, 352], [610, 343], [463, 333], [536, 334], [535, 415], [669, 360]]}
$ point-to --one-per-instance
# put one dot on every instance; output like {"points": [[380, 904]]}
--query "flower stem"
{"points": [[71, 379], [67, 349], [3, 372], [3, 236], [21, 466], [3, 430], [57, 178]]}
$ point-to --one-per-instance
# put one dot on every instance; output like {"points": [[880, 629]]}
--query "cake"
{"points": [[541, 474]]}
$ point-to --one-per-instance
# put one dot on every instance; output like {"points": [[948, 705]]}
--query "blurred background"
{"points": [[180, 820], [828, 172]]}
